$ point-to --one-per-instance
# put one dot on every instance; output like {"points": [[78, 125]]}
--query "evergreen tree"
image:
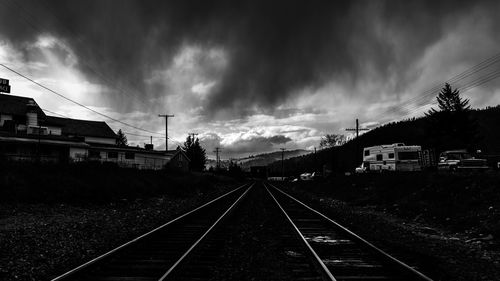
{"points": [[449, 100], [121, 139], [196, 154], [451, 125]]}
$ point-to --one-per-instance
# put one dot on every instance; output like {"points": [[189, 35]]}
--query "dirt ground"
{"points": [[432, 240]]}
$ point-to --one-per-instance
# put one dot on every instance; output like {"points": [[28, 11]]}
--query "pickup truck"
{"points": [[460, 160]]}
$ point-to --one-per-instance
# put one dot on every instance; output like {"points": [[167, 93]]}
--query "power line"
{"points": [[128, 133], [466, 87], [75, 102], [26, 16], [455, 79]]}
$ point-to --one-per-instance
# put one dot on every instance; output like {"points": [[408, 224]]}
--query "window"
{"points": [[129, 155], [367, 152], [379, 157], [408, 155], [113, 154], [391, 156], [94, 154]]}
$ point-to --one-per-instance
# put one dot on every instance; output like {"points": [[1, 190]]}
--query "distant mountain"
{"points": [[411, 132], [268, 158], [263, 159]]}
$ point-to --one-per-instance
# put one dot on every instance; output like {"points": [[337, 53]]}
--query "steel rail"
{"points": [[357, 237], [318, 260], [174, 266], [85, 265]]}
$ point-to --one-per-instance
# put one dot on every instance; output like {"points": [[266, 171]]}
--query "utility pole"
{"points": [[357, 129], [282, 163], [217, 150], [166, 116]]}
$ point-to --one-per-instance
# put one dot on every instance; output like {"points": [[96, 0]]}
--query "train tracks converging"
{"points": [[339, 254], [157, 254], [201, 245]]}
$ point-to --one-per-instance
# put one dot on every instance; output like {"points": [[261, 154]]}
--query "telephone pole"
{"points": [[282, 163], [166, 116], [357, 129], [217, 150]]}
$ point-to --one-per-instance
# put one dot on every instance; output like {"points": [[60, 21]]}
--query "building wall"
{"points": [[54, 130], [179, 163], [100, 140], [4, 117], [139, 160], [77, 153]]}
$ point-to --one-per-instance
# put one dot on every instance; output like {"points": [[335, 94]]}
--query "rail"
{"points": [[109, 253], [364, 242]]}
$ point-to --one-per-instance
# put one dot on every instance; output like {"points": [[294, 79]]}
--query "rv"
{"points": [[391, 157]]}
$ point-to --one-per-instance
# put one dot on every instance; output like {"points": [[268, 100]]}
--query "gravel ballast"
{"points": [[441, 254], [42, 241]]}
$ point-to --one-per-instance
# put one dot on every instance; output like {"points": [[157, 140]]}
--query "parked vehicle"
{"points": [[460, 159], [390, 157], [307, 176], [361, 169]]}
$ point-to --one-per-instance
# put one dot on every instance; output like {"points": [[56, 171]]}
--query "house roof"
{"points": [[16, 105], [79, 127]]}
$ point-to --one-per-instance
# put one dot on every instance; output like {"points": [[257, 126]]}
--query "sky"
{"points": [[248, 76]]}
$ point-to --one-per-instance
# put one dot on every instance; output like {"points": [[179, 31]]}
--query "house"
{"points": [[28, 134], [178, 161]]}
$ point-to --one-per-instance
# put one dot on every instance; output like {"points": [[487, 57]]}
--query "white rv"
{"points": [[391, 157]]}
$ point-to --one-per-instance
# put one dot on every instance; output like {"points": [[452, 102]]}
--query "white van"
{"points": [[391, 157]]}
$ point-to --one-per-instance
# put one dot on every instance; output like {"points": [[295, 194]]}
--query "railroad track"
{"points": [[216, 260], [339, 253], [156, 254]]}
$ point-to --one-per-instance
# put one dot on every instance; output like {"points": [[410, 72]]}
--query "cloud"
{"points": [[250, 72], [270, 51]]}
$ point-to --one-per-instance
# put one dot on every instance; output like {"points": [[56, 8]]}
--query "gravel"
{"points": [[42, 241], [438, 252]]}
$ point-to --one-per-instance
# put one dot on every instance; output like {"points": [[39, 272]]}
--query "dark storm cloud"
{"points": [[274, 48]]}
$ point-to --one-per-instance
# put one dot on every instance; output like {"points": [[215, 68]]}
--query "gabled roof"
{"points": [[177, 151], [16, 105], [78, 127]]}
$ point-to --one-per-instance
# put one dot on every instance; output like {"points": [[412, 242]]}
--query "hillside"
{"points": [[268, 158], [411, 132]]}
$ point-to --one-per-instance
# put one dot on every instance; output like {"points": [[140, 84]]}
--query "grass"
{"points": [[83, 183]]}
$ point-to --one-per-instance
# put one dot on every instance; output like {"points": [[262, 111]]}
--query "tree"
{"points": [[449, 100], [234, 169], [331, 140], [196, 154], [121, 139], [451, 125]]}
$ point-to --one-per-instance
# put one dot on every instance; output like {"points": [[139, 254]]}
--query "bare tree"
{"points": [[331, 140]]}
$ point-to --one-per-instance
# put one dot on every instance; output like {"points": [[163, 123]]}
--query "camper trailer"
{"points": [[390, 157]]}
